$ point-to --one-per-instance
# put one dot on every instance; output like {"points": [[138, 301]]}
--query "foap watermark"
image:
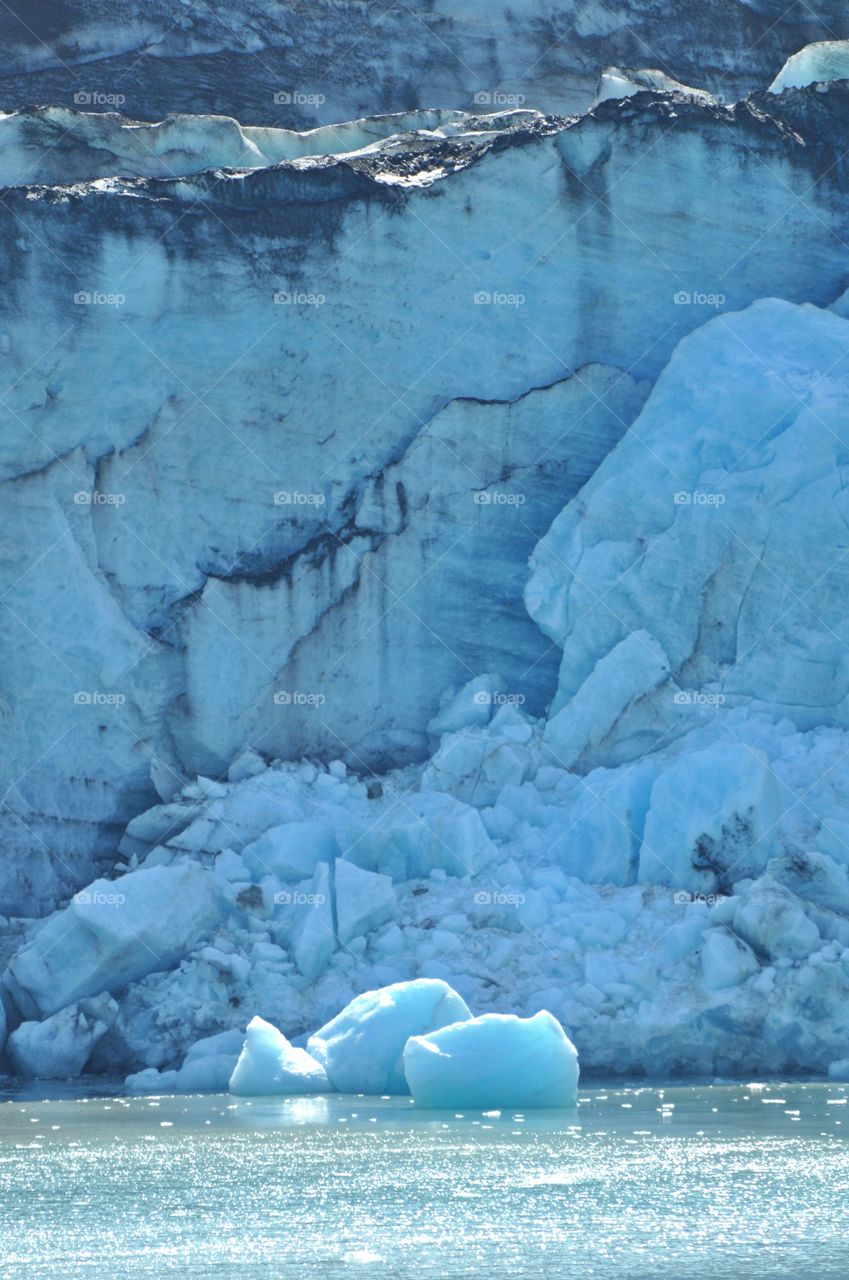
{"points": [[298, 298], [498, 498], [483, 698], [498, 98], [297, 698], [296, 498], [498, 898], [696, 698], [98, 298], [94, 98], [298, 98], [97, 499], [97, 698], [97, 898], [698, 498], [295, 898], [682, 898], [498, 298], [685, 298]]}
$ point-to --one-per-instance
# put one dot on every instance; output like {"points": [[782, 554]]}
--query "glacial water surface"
{"points": [[721, 1181]]}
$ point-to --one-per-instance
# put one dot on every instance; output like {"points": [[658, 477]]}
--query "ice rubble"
{"points": [[676, 894]]}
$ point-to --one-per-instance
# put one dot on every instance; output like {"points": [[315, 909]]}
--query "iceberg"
{"points": [[362, 1048], [269, 1064], [365, 900], [495, 1061]]}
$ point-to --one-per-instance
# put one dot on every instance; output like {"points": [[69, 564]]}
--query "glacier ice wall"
{"points": [[311, 61], [363, 384]]}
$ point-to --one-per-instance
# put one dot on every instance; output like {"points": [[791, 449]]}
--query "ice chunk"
{"points": [[475, 764], [497, 1060], [666, 537], [151, 1081], [833, 839], [209, 1063], [312, 936], [269, 1064], [772, 920], [471, 707], [362, 1048], [113, 933], [206, 1075], [291, 851], [600, 831], [814, 64], [814, 877], [631, 668], [60, 1047], [247, 765], [364, 900], [421, 832], [223, 1043], [712, 819], [726, 960]]}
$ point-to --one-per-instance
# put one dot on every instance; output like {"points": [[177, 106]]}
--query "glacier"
{"points": [[454, 607]]}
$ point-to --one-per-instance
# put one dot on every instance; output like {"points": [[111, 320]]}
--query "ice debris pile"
{"points": [[661, 862], [414, 1037]]}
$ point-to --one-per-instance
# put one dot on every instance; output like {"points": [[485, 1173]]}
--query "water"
{"points": [[738, 1182]]}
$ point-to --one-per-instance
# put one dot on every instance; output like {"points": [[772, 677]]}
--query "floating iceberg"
{"points": [[494, 1061], [269, 1064], [362, 1048]]}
